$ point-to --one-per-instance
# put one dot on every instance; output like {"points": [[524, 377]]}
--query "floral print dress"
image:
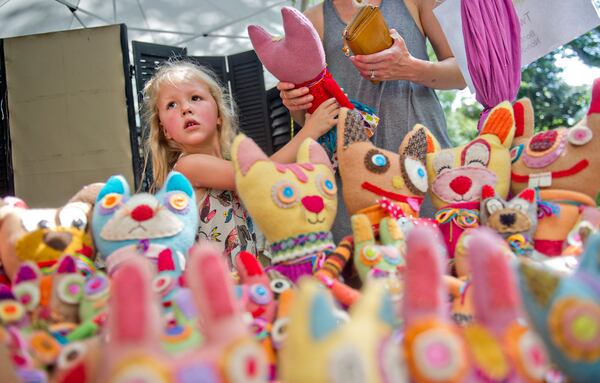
{"points": [[225, 221]]}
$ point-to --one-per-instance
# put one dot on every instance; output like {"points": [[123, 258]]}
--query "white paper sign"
{"points": [[545, 26]]}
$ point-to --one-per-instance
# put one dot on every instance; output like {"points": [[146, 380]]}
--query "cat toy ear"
{"points": [[246, 153], [310, 151]]}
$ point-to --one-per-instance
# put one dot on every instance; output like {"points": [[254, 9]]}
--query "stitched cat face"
{"points": [[370, 173], [321, 348], [457, 174], [286, 200], [559, 158], [167, 221], [298, 57], [517, 216], [564, 308]]}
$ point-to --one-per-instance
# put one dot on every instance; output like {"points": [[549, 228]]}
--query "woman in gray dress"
{"points": [[405, 94]]}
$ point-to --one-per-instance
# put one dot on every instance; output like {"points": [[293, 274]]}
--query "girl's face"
{"points": [[188, 114]]}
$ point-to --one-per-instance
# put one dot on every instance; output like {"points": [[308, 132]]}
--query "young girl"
{"points": [[192, 125]]}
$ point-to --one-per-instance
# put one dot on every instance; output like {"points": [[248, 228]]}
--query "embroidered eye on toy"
{"points": [[150, 224], [565, 311], [294, 205], [456, 175]]}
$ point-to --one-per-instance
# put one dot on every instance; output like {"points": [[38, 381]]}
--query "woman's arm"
{"points": [[396, 62]]}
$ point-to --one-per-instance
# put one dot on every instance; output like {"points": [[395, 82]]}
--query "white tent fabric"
{"points": [[205, 27]]}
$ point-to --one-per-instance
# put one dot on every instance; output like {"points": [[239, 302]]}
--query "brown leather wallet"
{"points": [[367, 33]]}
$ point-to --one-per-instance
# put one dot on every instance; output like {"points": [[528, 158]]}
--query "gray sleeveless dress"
{"points": [[399, 104]]}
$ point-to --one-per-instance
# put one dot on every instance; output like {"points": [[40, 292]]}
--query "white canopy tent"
{"points": [[205, 27]]}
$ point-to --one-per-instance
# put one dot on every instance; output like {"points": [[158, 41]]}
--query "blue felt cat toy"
{"points": [[153, 224], [565, 310]]}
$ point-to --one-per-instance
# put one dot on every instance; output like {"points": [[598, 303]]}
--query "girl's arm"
{"points": [[207, 171]]}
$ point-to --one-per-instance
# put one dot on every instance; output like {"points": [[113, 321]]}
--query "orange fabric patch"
{"points": [[46, 290], [499, 123], [430, 144]]}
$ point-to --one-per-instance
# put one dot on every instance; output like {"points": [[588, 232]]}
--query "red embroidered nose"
{"points": [[313, 203], [461, 185], [142, 213]]}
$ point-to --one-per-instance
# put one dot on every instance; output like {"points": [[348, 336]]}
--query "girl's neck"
{"points": [[210, 149]]}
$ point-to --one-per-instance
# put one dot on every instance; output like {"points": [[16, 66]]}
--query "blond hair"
{"points": [[164, 153]]}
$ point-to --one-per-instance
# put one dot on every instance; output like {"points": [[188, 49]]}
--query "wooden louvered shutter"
{"points": [[215, 63], [248, 90], [279, 119], [7, 186], [147, 58]]}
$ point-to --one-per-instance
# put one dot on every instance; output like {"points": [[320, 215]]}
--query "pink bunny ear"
{"points": [[260, 39], [247, 154], [494, 286], [295, 24], [134, 313], [595, 101], [425, 292], [212, 289]]}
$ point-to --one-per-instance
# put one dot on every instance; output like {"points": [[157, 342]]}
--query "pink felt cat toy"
{"points": [[298, 58], [228, 354]]}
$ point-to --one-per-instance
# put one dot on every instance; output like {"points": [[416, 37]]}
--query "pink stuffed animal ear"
{"points": [[212, 289], [246, 153], [317, 155], [494, 287], [425, 292], [134, 313]]}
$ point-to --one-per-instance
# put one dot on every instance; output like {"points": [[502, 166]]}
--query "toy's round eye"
{"points": [[579, 135], [28, 294], [515, 153], [391, 256], [138, 368], [246, 363], [416, 173], [328, 186], [11, 311], [531, 355], [285, 194], [279, 285], [347, 366], [438, 355], [162, 284], [44, 347], [179, 202], [260, 294], [96, 286], [543, 141], [370, 255], [70, 288], [279, 331], [73, 216], [376, 162], [71, 354], [111, 200]]}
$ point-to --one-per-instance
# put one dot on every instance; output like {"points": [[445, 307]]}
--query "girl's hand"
{"points": [[323, 119], [394, 63], [294, 99]]}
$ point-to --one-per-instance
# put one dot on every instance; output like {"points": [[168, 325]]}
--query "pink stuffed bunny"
{"points": [[495, 347], [228, 354], [298, 58]]}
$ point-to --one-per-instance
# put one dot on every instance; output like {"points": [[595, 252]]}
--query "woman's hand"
{"points": [[394, 63], [323, 119], [294, 99]]}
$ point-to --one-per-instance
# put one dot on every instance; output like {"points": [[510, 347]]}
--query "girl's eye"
{"points": [[196, 98], [170, 105]]}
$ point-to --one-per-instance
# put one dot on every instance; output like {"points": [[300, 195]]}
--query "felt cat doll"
{"points": [[228, 354], [294, 205], [495, 347], [150, 224], [563, 163], [515, 220], [456, 175], [298, 58], [565, 311], [320, 348]]}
